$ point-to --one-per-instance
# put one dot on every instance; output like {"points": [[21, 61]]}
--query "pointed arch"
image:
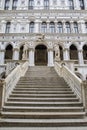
{"points": [[9, 52], [73, 52]]}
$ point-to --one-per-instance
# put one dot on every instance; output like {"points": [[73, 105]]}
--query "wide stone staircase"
{"points": [[42, 99]]}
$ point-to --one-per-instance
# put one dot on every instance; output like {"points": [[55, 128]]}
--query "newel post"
{"points": [[84, 94], [1, 94]]}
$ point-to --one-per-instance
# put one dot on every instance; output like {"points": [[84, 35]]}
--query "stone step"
{"points": [[69, 96], [42, 92], [21, 99], [42, 109], [44, 100], [43, 115], [43, 104], [33, 88], [44, 124]]}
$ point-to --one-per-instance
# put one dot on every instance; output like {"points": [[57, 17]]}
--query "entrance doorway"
{"points": [[41, 55]]}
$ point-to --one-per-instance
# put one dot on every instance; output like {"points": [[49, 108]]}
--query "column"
{"points": [[50, 57], [55, 26], [12, 27], [3, 26], [85, 4], [2, 55], [66, 4], [72, 26], [36, 26], [83, 27], [2, 4], [80, 56], [10, 4], [66, 54], [31, 57], [79, 27], [64, 27], [15, 54], [76, 5], [48, 30]]}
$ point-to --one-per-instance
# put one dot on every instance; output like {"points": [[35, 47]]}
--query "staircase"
{"points": [[42, 99]]}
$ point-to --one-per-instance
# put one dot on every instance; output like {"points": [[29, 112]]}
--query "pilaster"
{"points": [[31, 57], [15, 54], [50, 57], [2, 55]]}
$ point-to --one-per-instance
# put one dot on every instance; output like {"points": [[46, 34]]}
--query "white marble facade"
{"points": [[60, 23]]}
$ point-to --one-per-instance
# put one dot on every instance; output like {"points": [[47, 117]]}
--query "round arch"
{"points": [[73, 52], [85, 52], [41, 55], [9, 52]]}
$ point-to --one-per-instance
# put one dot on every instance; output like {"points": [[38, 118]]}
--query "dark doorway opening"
{"points": [[41, 55]]}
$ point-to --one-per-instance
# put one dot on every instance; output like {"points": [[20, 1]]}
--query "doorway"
{"points": [[41, 55]]}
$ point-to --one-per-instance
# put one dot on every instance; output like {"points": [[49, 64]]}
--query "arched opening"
{"points": [[21, 53], [85, 52], [9, 52], [41, 55], [73, 53], [61, 52]]}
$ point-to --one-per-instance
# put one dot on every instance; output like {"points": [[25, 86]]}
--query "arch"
{"points": [[41, 55], [85, 52], [52, 27], [68, 29], [61, 52], [31, 27], [44, 27], [73, 52], [9, 52], [21, 52], [79, 76], [60, 27]]}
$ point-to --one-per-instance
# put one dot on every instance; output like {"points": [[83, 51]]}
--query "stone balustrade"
{"points": [[7, 85], [77, 85]]}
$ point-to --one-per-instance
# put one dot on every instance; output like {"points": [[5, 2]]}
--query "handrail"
{"points": [[72, 80], [12, 79]]}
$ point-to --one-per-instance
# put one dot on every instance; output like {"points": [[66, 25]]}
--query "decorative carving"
{"points": [[57, 52], [40, 38]]}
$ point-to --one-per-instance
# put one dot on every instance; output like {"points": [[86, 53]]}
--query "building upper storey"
{"points": [[43, 4]]}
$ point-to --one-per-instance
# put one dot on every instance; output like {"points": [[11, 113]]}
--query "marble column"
{"points": [[50, 57], [76, 5], [3, 26], [15, 54], [2, 56], [64, 27], [85, 4], [10, 4], [66, 54], [36, 26], [31, 57], [72, 26], [83, 27], [80, 56]]}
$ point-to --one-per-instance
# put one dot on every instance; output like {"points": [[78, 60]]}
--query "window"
{"points": [[14, 6], [81, 4], [68, 29], [60, 27], [44, 27], [8, 27], [31, 28], [7, 4], [52, 27], [46, 4], [86, 26], [75, 27], [71, 5], [31, 4]]}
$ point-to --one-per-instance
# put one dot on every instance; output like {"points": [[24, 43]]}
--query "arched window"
{"points": [[86, 26], [68, 29], [60, 27], [75, 27], [46, 4], [31, 4], [31, 27], [7, 4], [85, 52], [52, 27], [81, 2], [71, 5], [14, 6], [8, 24], [44, 27], [9, 52], [73, 52]]}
